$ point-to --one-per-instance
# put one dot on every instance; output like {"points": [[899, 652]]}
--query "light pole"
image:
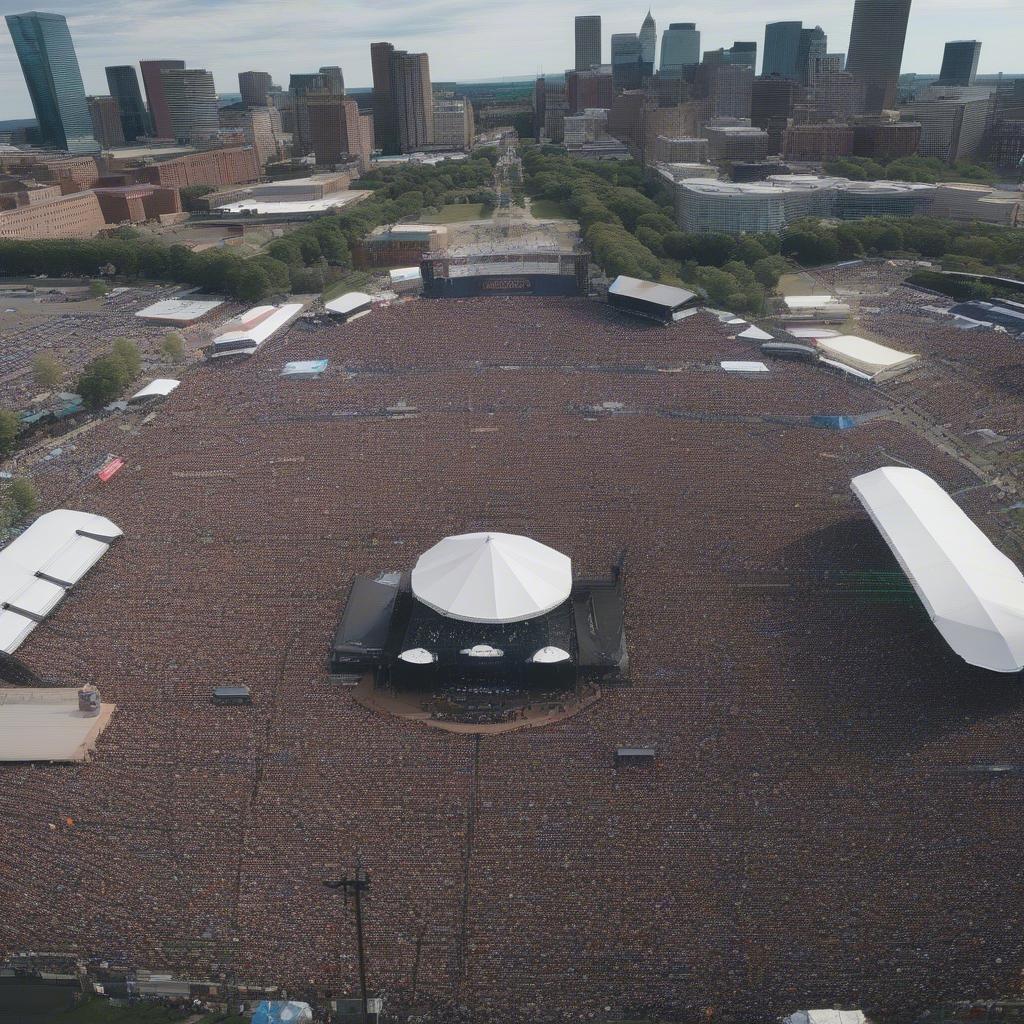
{"points": [[356, 885]]}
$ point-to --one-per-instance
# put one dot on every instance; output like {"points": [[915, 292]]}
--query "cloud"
{"points": [[466, 39]]}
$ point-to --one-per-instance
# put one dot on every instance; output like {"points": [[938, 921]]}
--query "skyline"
{"points": [[273, 36]]}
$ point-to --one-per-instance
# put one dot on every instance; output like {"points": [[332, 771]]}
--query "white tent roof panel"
{"points": [[973, 593], [348, 303], [492, 577], [62, 545], [159, 388], [868, 356], [649, 291], [808, 301]]}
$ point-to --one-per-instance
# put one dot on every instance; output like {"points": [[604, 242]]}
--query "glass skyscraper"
{"points": [[680, 48], [782, 48], [960, 62], [124, 87], [47, 55]]}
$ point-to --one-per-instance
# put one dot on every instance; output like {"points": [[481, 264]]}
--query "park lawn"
{"points": [[548, 209], [353, 282], [455, 213], [798, 283]]}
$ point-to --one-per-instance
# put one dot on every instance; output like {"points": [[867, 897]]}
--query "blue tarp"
{"points": [[277, 1011], [834, 422]]}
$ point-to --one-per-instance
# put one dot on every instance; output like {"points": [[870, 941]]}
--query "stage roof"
{"points": [[972, 591], [178, 311], [492, 577], [44, 724], [809, 301], [649, 291], [348, 303], [866, 356], [38, 567]]}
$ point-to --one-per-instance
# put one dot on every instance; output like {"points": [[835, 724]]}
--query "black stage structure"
{"points": [[522, 272], [382, 618]]}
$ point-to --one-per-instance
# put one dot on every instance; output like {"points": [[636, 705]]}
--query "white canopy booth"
{"points": [[973, 593]]}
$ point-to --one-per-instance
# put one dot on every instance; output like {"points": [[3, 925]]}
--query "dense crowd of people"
{"points": [[817, 826]]}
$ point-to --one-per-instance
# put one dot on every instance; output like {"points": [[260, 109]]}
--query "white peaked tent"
{"points": [[492, 577], [972, 591]]}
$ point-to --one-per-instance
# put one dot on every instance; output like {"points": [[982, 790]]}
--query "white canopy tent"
{"points": [[159, 388], [492, 577], [40, 566], [864, 355], [973, 593]]}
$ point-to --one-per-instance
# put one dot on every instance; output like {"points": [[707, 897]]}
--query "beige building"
{"points": [[968, 201], [453, 124]]}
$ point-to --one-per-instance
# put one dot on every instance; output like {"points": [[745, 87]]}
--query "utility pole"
{"points": [[357, 885]]}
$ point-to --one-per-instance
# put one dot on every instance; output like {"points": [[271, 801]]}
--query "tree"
{"points": [[128, 353], [97, 288], [173, 348], [102, 380], [10, 427], [47, 372], [22, 499]]}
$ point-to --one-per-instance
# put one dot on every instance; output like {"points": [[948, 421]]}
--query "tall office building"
{"points": [[124, 87], [159, 113], [876, 49], [254, 87], [385, 123], [191, 103], [334, 130], [105, 115], [680, 48], [48, 62], [626, 67], [588, 41], [742, 53], [960, 62], [813, 47], [782, 48], [334, 80], [648, 45], [414, 100]]}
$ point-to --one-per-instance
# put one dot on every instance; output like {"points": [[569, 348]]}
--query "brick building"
{"points": [[886, 141], [137, 203], [817, 142], [77, 215], [335, 133], [105, 113], [238, 166], [72, 173]]}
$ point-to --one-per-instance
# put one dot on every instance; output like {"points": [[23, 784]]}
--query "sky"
{"points": [[467, 40]]}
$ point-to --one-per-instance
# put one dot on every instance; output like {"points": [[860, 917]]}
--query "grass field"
{"points": [[353, 282], [548, 209], [455, 213], [798, 284]]}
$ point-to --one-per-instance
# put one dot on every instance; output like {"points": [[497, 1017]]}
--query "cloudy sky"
{"points": [[466, 39]]}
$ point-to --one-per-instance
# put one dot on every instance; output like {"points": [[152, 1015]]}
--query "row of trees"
{"points": [[628, 225], [324, 243], [908, 168], [975, 248]]}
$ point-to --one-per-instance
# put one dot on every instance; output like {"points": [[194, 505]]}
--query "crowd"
{"points": [[812, 831]]}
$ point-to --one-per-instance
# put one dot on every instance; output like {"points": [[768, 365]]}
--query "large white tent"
{"points": [[867, 356], [492, 577], [972, 591], [40, 566]]}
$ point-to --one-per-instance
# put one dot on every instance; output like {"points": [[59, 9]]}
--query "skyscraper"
{"points": [[742, 53], [106, 121], [414, 100], [782, 48], [960, 62], [813, 47], [124, 87], [876, 49], [191, 103], [648, 45], [334, 80], [680, 48], [159, 114], [385, 125], [626, 67], [48, 62], [254, 87], [588, 41]]}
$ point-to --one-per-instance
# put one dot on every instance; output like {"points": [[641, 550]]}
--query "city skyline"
{"points": [[289, 37]]}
